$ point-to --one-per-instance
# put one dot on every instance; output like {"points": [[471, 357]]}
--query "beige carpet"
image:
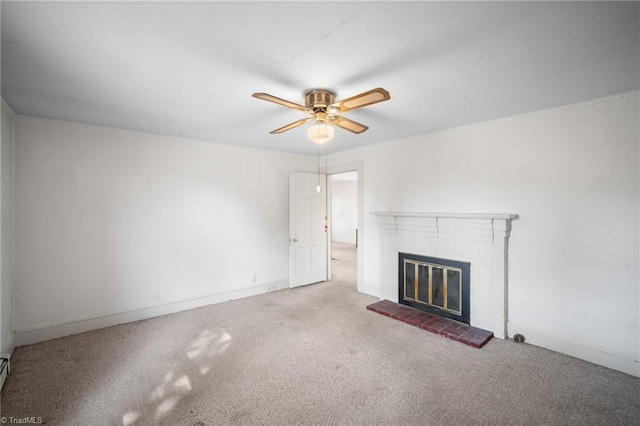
{"points": [[311, 355]]}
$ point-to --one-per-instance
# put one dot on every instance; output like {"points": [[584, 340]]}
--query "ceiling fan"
{"points": [[321, 105]]}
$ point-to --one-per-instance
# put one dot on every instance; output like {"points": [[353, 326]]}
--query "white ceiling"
{"points": [[189, 69]]}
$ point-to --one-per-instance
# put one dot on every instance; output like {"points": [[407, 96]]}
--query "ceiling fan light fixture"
{"points": [[320, 133], [333, 110]]}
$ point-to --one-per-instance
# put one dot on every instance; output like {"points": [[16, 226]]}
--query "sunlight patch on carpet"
{"points": [[166, 406], [182, 383], [130, 418], [213, 343]]}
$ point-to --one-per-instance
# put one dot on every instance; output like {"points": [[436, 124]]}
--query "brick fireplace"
{"points": [[479, 239]]}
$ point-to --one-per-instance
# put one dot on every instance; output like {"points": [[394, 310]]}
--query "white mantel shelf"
{"points": [[503, 216], [474, 226]]}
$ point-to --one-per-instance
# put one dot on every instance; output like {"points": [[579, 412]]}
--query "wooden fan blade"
{"points": [[283, 102], [350, 125], [292, 125], [363, 99]]}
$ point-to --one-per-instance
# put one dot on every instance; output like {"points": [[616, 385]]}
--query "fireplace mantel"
{"points": [[477, 226], [503, 216], [478, 238]]}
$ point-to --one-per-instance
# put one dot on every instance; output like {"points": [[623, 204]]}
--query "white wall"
{"points": [[107, 218], [571, 174], [344, 210], [6, 237]]}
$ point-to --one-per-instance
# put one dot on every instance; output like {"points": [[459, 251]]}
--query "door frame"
{"points": [[355, 166]]}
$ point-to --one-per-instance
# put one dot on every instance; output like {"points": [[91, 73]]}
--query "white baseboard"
{"points": [[7, 350], [54, 331], [616, 360], [8, 343]]}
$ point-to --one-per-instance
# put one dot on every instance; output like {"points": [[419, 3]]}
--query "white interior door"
{"points": [[307, 229]]}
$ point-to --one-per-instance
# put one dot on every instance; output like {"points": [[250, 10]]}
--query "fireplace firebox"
{"points": [[438, 286]]}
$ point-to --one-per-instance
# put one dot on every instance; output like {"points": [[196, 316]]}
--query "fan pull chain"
{"points": [[319, 187]]}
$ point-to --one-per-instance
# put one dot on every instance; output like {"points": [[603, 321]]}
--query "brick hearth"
{"points": [[451, 329]]}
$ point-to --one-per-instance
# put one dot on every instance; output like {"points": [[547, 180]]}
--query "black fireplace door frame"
{"points": [[465, 267]]}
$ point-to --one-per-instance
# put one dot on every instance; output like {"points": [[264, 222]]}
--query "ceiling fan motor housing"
{"points": [[319, 98]]}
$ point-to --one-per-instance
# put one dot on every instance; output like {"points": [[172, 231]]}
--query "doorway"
{"points": [[343, 213]]}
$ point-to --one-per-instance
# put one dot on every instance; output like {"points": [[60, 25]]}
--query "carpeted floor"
{"points": [[310, 355], [344, 265]]}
